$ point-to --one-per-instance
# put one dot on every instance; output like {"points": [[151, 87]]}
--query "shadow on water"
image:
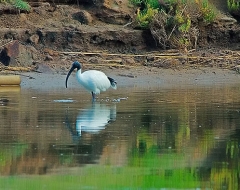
{"points": [[156, 138]]}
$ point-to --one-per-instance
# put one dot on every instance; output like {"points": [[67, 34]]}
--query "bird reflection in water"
{"points": [[93, 119]]}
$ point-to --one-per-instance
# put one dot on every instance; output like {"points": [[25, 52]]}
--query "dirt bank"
{"points": [[49, 37]]}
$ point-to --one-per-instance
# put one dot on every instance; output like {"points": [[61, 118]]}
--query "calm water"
{"points": [[134, 138]]}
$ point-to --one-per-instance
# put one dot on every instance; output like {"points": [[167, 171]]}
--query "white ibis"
{"points": [[93, 81]]}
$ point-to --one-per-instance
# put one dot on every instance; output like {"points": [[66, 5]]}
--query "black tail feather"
{"points": [[113, 82]]}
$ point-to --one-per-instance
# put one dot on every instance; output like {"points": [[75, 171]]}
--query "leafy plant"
{"points": [[233, 5], [19, 4], [145, 17], [184, 21], [153, 3], [208, 12], [135, 2], [145, 11], [176, 24]]}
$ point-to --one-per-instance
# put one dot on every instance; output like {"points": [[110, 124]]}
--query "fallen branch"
{"points": [[116, 54], [109, 65], [158, 55], [5, 68]]}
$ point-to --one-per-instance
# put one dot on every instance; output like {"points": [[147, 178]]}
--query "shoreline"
{"points": [[143, 77]]}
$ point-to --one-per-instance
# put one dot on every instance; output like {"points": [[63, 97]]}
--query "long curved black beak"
{"points": [[69, 73]]}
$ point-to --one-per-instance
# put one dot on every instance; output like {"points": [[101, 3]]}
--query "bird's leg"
{"points": [[93, 97]]}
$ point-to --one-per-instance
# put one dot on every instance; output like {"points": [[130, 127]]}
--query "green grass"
{"points": [[145, 170], [8, 152], [18, 4], [108, 177]]}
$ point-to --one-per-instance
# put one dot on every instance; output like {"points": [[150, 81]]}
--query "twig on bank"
{"points": [[129, 23], [118, 54], [157, 55], [6, 68]]}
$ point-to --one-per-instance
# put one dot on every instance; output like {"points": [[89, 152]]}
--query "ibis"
{"points": [[92, 80]]}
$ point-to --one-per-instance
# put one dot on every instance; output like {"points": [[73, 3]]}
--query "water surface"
{"points": [[132, 138]]}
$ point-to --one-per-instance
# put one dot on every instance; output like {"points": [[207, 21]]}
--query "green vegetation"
{"points": [[146, 9], [233, 5], [106, 177], [145, 17], [208, 12], [173, 23], [21, 5], [6, 153], [18, 4]]}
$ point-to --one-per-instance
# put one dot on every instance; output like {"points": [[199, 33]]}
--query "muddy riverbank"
{"points": [[143, 77], [51, 37], [48, 38]]}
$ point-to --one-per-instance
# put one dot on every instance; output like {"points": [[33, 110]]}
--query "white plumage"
{"points": [[95, 118], [93, 81]]}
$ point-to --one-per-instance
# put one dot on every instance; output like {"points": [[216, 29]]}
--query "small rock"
{"points": [[39, 10], [150, 58], [162, 63], [72, 26], [48, 58], [83, 17], [51, 52], [237, 68], [34, 39], [43, 68], [93, 60], [129, 61], [23, 17], [16, 54], [9, 53]]}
